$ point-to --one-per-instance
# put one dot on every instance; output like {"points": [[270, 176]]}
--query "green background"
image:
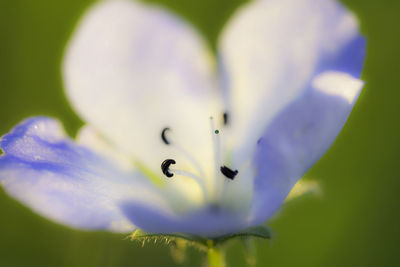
{"points": [[354, 223]]}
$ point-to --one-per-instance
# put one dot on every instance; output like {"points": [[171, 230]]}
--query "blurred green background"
{"points": [[354, 223]]}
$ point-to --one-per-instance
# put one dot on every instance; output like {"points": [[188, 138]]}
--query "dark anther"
{"points": [[216, 131], [165, 167], [228, 172], [163, 137], [226, 118]]}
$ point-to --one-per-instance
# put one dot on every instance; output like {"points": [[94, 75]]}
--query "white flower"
{"points": [[178, 140]]}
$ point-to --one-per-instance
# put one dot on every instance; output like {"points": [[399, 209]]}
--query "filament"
{"points": [[182, 151], [194, 177]]}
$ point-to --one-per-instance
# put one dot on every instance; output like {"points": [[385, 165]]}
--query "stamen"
{"points": [[165, 167], [187, 174], [163, 137], [218, 187], [196, 178], [181, 150], [226, 118], [216, 142], [230, 174]]}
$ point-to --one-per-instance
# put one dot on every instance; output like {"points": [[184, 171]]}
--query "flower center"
{"points": [[221, 170]]}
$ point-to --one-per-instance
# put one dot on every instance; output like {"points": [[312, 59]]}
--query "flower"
{"points": [[180, 141]]}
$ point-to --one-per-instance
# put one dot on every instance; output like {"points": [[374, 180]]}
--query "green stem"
{"points": [[216, 257]]}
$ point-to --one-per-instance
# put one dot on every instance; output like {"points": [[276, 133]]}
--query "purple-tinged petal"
{"points": [[63, 181], [298, 137], [270, 51], [349, 59], [206, 222]]}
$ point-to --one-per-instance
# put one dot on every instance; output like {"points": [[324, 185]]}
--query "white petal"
{"points": [[93, 140], [269, 52], [132, 69]]}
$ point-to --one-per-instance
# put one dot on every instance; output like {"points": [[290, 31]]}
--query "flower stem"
{"points": [[216, 257]]}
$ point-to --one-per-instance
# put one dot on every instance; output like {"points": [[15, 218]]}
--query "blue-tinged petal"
{"points": [[298, 137], [146, 70], [270, 51], [350, 59], [205, 222], [65, 182]]}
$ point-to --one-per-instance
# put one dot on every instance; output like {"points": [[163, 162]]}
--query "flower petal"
{"points": [[272, 49], [206, 222], [132, 69], [88, 137], [66, 182], [298, 137]]}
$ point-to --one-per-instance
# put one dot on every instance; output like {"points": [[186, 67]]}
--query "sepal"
{"points": [[260, 231]]}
